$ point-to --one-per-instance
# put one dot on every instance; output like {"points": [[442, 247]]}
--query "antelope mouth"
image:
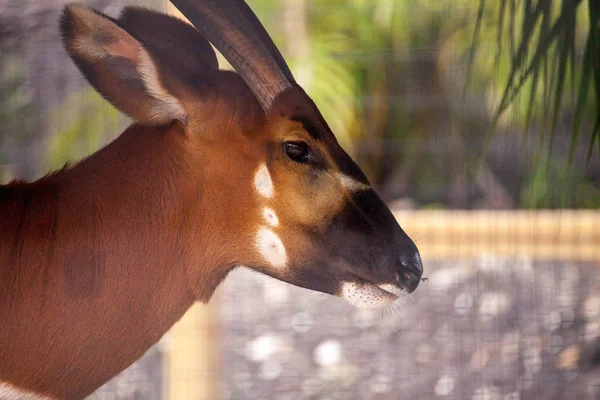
{"points": [[364, 294]]}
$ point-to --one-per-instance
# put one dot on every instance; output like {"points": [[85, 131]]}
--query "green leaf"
{"points": [[474, 45], [584, 86]]}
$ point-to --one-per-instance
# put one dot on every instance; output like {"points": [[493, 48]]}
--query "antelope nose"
{"points": [[410, 270]]}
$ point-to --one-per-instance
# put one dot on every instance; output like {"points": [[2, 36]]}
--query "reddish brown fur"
{"points": [[88, 248], [100, 259]]}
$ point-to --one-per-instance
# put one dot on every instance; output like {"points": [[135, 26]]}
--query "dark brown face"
{"points": [[323, 226]]}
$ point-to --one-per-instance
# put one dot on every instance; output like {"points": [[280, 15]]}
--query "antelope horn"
{"points": [[232, 27]]}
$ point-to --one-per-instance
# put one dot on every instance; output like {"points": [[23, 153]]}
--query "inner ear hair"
{"points": [[118, 66]]}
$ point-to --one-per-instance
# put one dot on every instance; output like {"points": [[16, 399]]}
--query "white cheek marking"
{"points": [[270, 217], [350, 183], [262, 182], [271, 248], [365, 296], [7, 391]]}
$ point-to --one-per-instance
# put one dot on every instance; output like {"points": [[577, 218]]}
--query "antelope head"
{"points": [[270, 188]]}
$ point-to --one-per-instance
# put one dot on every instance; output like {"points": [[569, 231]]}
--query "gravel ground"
{"points": [[487, 329]]}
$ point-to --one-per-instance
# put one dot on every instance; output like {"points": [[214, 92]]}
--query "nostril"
{"points": [[409, 271], [408, 276], [412, 262]]}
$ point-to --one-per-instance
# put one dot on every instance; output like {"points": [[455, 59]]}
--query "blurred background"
{"points": [[477, 121]]}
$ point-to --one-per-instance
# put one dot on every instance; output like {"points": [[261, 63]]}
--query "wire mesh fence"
{"points": [[485, 328], [511, 308], [490, 324], [512, 313]]}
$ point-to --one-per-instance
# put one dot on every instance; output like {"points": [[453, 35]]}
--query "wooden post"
{"points": [[192, 368]]}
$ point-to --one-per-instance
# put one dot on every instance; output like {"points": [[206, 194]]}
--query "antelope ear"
{"points": [[118, 66]]}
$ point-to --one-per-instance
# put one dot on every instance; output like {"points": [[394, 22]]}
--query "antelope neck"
{"points": [[96, 272]]}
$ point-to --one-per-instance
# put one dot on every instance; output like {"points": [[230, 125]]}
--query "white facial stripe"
{"points": [[262, 182], [270, 217], [271, 248], [350, 183], [7, 391], [365, 296]]}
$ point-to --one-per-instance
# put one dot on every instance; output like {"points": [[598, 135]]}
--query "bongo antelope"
{"points": [[220, 169]]}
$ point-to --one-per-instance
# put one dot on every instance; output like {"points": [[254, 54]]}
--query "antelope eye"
{"points": [[297, 151]]}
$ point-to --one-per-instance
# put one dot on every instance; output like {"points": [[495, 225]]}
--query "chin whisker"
{"points": [[381, 320], [346, 311], [317, 298]]}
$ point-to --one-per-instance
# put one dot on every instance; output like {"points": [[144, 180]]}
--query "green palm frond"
{"points": [[547, 65]]}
